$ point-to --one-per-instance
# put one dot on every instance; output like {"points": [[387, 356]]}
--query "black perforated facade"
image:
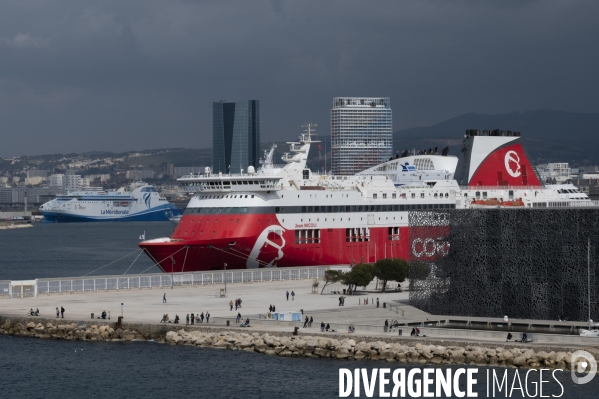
{"points": [[527, 263]]}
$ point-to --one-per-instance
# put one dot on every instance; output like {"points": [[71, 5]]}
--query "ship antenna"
{"points": [[309, 127]]}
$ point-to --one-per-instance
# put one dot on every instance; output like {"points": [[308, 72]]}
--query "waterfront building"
{"points": [[235, 136], [361, 133]]}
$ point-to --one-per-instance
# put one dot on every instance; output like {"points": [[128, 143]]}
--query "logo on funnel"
{"points": [[512, 164]]}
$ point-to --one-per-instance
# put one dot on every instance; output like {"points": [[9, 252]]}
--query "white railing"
{"points": [[160, 280]]}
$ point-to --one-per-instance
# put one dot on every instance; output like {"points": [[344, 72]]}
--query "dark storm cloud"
{"points": [[113, 75]]}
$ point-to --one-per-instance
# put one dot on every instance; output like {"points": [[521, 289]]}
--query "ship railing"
{"points": [[157, 280], [496, 188]]}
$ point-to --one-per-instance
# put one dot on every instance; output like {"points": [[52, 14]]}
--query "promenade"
{"points": [[145, 306]]}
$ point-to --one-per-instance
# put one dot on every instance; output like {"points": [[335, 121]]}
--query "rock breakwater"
{"points": [[306, 345]]}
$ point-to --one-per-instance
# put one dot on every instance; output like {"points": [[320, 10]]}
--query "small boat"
{"points": [[513, 204], [486, 204]]}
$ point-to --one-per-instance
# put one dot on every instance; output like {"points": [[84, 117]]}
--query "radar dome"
{"points": [[251, 170]]}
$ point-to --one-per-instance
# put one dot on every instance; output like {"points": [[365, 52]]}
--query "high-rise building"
{"points": [[236, 136], [361, 133]]}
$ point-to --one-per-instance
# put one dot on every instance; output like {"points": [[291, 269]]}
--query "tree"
{"points": [[359, 275], [390, 270], [419, 270], [330, 277]]}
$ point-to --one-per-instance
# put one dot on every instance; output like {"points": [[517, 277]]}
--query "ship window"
{"points": [[335, 209], [371, 208], [329, 209], [316, 209], [303, 209], [413, 195], [373, 196], [384, 195], [347, 208], [310, 209], [484, 195], [252, 196], [277, 209], [394, 195]]}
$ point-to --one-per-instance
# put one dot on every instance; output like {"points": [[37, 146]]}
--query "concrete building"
{"points": [[140, 174], [56, 180], [361, 133], [236, 136], [33, 194], [559, 172], [34, 181], [73, 183]]}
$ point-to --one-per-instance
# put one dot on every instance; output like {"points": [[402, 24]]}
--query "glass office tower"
{"points": [[236, 136], [361, 133]]}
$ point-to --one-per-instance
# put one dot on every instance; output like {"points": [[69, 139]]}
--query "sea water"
{"points": [[58, 369]]}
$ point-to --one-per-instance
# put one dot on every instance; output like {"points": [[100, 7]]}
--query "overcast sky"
{"points": [[123, 75]]}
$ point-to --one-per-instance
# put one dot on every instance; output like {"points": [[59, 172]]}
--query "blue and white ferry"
{"points": [[141, 203]]}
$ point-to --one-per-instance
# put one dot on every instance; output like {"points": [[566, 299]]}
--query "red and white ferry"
{"points": [[284, 216]]}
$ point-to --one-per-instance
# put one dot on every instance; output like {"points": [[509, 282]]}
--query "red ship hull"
{"points": [[203, 243]]}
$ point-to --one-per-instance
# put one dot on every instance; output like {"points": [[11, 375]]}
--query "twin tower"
{"points": [[361, 134]]}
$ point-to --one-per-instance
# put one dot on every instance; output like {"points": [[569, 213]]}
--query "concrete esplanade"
{"points": [[147, 306]]}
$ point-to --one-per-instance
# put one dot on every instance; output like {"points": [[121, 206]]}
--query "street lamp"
{"points": [[225, 280], [172, 273]]}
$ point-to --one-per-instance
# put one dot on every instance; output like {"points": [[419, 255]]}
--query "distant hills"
{"points": [[549, 135]]}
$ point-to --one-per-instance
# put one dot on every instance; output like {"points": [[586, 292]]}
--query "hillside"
{"points": [[549, 135]]}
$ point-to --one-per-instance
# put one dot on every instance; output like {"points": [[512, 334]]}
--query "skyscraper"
{"points": [[361, 133], [236, 136]]}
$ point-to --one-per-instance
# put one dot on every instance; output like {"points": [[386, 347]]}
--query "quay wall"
{"points": [[324, 345]]}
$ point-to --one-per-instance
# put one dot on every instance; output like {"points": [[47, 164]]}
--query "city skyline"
{"points": [[107, 76]]}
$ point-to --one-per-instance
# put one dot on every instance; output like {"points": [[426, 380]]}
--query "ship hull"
{"points": [[246, 242], [153, 215]]}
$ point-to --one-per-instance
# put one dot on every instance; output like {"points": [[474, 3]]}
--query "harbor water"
{"points": [[53, 368]]}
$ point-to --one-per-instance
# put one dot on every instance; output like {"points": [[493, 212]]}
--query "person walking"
{"points": [[202, 317], [187, 319], [57, 312], [164, 298], [386, 325], [62, 312], [292, 296], [238, 318], [310, 322], [270, 308], [287, 295], [377, 302], [207, 317], [322, 326], [274, 310], [192, 318], [306, 321], [231, 304]]}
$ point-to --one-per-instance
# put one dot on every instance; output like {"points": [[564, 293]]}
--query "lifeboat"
{"points": [[486, 204], [517, 203]]}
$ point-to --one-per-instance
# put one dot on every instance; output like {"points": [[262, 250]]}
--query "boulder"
{"points": [[30, 326], [519, 361]]}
